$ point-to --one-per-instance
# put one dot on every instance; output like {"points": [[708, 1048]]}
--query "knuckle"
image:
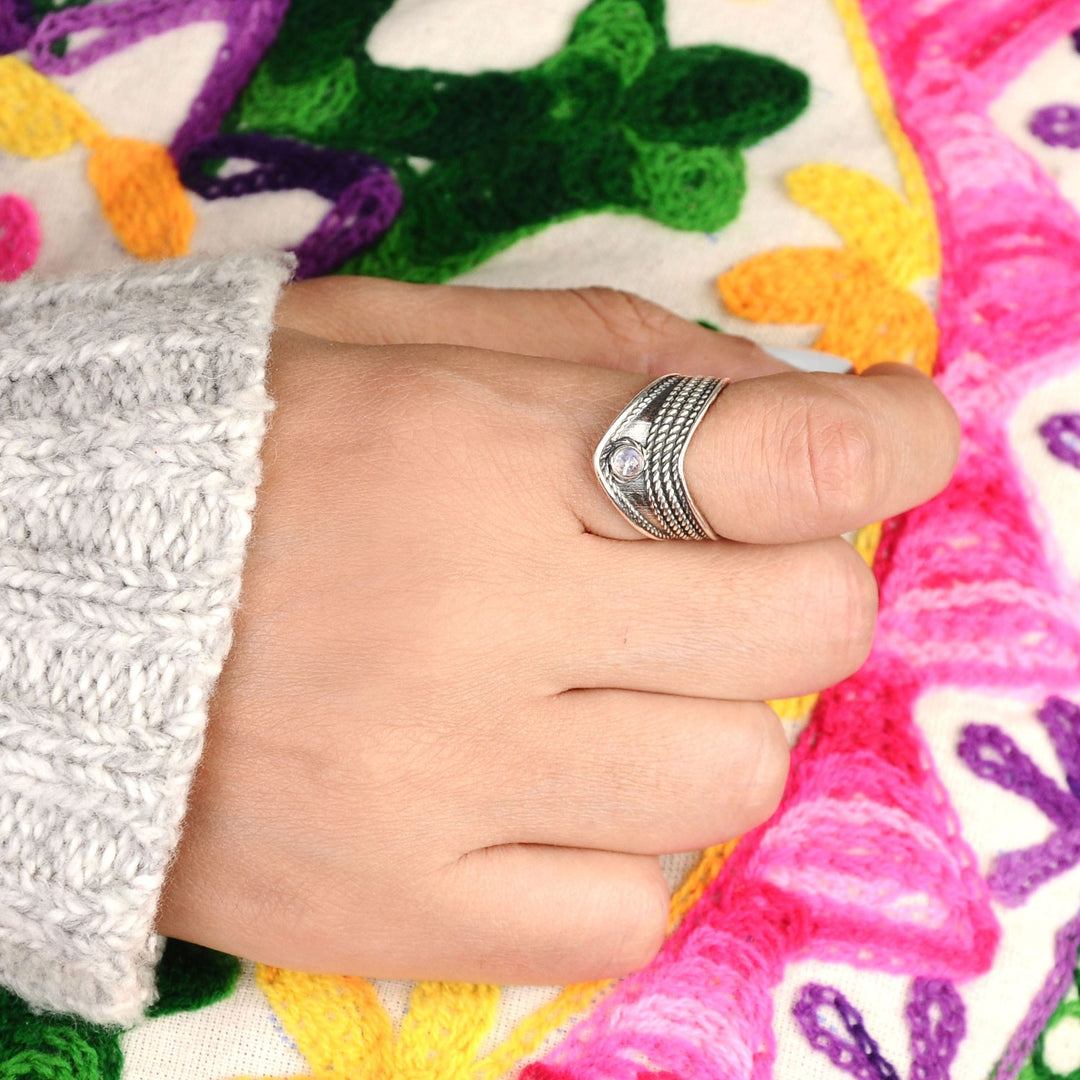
{"points": [[627, 317], [831, 455], [848, 600], [638, 934], [771, 773]]}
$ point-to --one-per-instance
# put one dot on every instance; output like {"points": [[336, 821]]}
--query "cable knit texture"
{"points": [[132, 409]]}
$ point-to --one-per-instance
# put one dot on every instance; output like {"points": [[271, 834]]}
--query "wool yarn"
{"points": [[131, 418]]}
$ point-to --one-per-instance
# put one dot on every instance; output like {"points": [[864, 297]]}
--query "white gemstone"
{"points": [[627, 462]]}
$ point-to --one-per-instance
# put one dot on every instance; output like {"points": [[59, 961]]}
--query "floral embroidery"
{"points": [[249, 28], [618, 120], [993, 755], [860, 293], [136, 182], [834, 1026]]}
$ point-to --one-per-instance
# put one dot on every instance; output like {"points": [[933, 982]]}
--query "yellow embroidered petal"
{"points": [[867, 540], [142, 197], [872, 219], [443, 1029], [533, 1030], [796, 708], [337, 1023], [37, 118]]}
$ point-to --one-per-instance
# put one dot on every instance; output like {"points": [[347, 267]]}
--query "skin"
{"points": [[467, 706]]}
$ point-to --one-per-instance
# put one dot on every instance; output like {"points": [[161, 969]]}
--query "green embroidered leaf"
{"points": [[54, 1046], [191, 977], [712, 95]]}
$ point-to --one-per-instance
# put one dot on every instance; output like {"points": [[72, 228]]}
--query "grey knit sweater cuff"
{"points": [[132, 408]]}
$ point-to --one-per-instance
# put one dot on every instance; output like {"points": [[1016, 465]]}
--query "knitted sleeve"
{"points": [[132, 408]]}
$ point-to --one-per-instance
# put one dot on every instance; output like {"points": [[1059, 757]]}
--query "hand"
{"points": [[467, 705]]}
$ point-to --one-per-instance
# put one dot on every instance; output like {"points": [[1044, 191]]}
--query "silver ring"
{"points": [[639, 461]]}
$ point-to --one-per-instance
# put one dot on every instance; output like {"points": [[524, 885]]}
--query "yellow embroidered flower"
{"points": [[860, 293], [137, 182], [344, 1032]]}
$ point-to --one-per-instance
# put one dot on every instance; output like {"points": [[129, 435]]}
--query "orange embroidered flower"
{"points": [[859, 293]]}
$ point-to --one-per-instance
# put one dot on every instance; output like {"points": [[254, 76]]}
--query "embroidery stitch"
{"points": [[250, 28], [617, 120], [1058, 125], [364, 194], [1047, 1005], [20, 237], [859, 293], [992, 755], [136, 182], [1061, 433], [935, 1018], [16, 24]]}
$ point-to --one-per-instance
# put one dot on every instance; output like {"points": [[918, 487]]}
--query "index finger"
{"points": [[796, 456]]}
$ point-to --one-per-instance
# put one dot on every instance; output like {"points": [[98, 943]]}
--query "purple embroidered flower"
{"points": [[1062, 436], [991, 754], [935, 1017], [1058, 125]]}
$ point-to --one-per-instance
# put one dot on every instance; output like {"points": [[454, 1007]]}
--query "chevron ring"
{"points": [[639, 461]]}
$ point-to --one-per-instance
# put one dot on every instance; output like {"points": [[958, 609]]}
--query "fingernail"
{"points": [[810, 359]]}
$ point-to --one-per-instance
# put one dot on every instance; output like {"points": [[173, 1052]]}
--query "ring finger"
{"points": [[719, 620]]}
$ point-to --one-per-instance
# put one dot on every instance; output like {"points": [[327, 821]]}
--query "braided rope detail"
{"points": [[676, 419], [661, 420]]}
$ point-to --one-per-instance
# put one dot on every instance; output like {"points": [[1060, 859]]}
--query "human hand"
{"points": [[467, 705]]}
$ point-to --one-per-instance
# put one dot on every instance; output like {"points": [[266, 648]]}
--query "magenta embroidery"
{"points": [[20, 237], [1061, 434], [935, 1017], [1058, 125], [993, 755], [250, 28], [863, 863], [366, 198]]}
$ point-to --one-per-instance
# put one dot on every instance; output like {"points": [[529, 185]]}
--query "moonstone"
{"points": [[627, 462]]}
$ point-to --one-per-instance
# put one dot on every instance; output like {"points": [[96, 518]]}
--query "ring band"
{"points": [[639, 461]]}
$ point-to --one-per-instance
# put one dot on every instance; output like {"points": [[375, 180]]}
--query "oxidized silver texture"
{"points": [[658, 423]]}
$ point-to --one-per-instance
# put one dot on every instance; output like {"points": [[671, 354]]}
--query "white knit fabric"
{"points": [[132, 408]]}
